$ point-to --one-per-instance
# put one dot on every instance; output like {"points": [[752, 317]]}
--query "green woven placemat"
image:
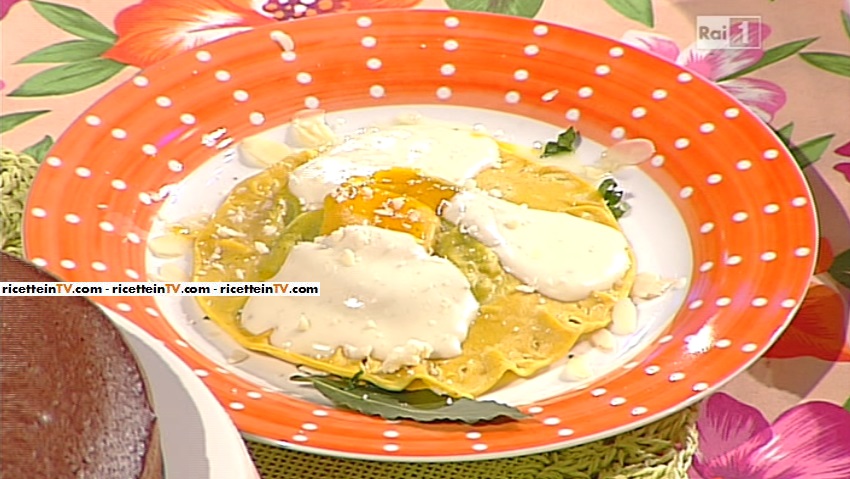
{"points": [[660, 450]]}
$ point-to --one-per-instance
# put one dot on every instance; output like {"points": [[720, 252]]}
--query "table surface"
{"points": [[798, 387]]}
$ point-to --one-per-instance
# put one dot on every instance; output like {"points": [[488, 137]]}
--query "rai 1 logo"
{"points": [[715, 32]]}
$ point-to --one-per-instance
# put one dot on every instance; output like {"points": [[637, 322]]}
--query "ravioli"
{"points": [[515, 333]]}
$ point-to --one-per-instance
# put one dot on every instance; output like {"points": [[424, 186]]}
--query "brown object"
{"points": [[73, 401]]}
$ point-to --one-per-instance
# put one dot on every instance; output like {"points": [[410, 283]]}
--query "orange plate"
{"points": [[753, 233]]}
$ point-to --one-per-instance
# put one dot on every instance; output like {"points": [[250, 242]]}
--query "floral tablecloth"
{"points": [[789, 415]]}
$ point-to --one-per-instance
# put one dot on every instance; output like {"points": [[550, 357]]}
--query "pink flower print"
{"points": [[764, 98], [809, 441]]}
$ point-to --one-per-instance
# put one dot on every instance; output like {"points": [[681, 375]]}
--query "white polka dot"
{"points": [[479, 447], [565, 432], [374, 63], [698, 387], [535, 410], [256, 395], [376, 91], [201, 373], [447, 69], [686, 192], [72, 218], [585, 92], [706, 128], [38, 212], [391, 434], [759, 302], [364, 22], [203, 56], [175, 166], [657, 161], [723, 343], [740, 216], [106, 226], [151, 312], [289, 56], [618, 133], [531, 50], [240, 95], [598, 392], [552, 421], [706, 227], [297, 437], [163, 101], [734, 260], [788, 303], [749, 347], [638, 112], [723, 302], [451, 45], [303, 78], [124, 307], [320, 413], [659, 94], [145, 198], [236, 406], [40, 262], [801, 252], [676, 377], [119, 134], [444, 93], [770, 154], [706, 267], [731, 113], [616, 52], [187, 119], [67, 264], [474, 435], [53, 161], [521, 75], [602, 70], [768, 256], [311, 102], [512, 97], [256, 118], [368, 41], [119, 184], [639, 411], [82, 172], [540, 30], [665, 339], [391, 447], [140, 81], [652, 370], [682, 143], [771, 208], [98, 266], [132, 274], [451, 22], [684, 77], [617, 401], [799, 201], [92, 120], [573, 114], [222, 75], [695, 304], [149, 149], [309, 426]]}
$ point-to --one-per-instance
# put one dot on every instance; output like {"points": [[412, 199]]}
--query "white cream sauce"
{"points": [[437, 150], [562, 256], [382, 296]]}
